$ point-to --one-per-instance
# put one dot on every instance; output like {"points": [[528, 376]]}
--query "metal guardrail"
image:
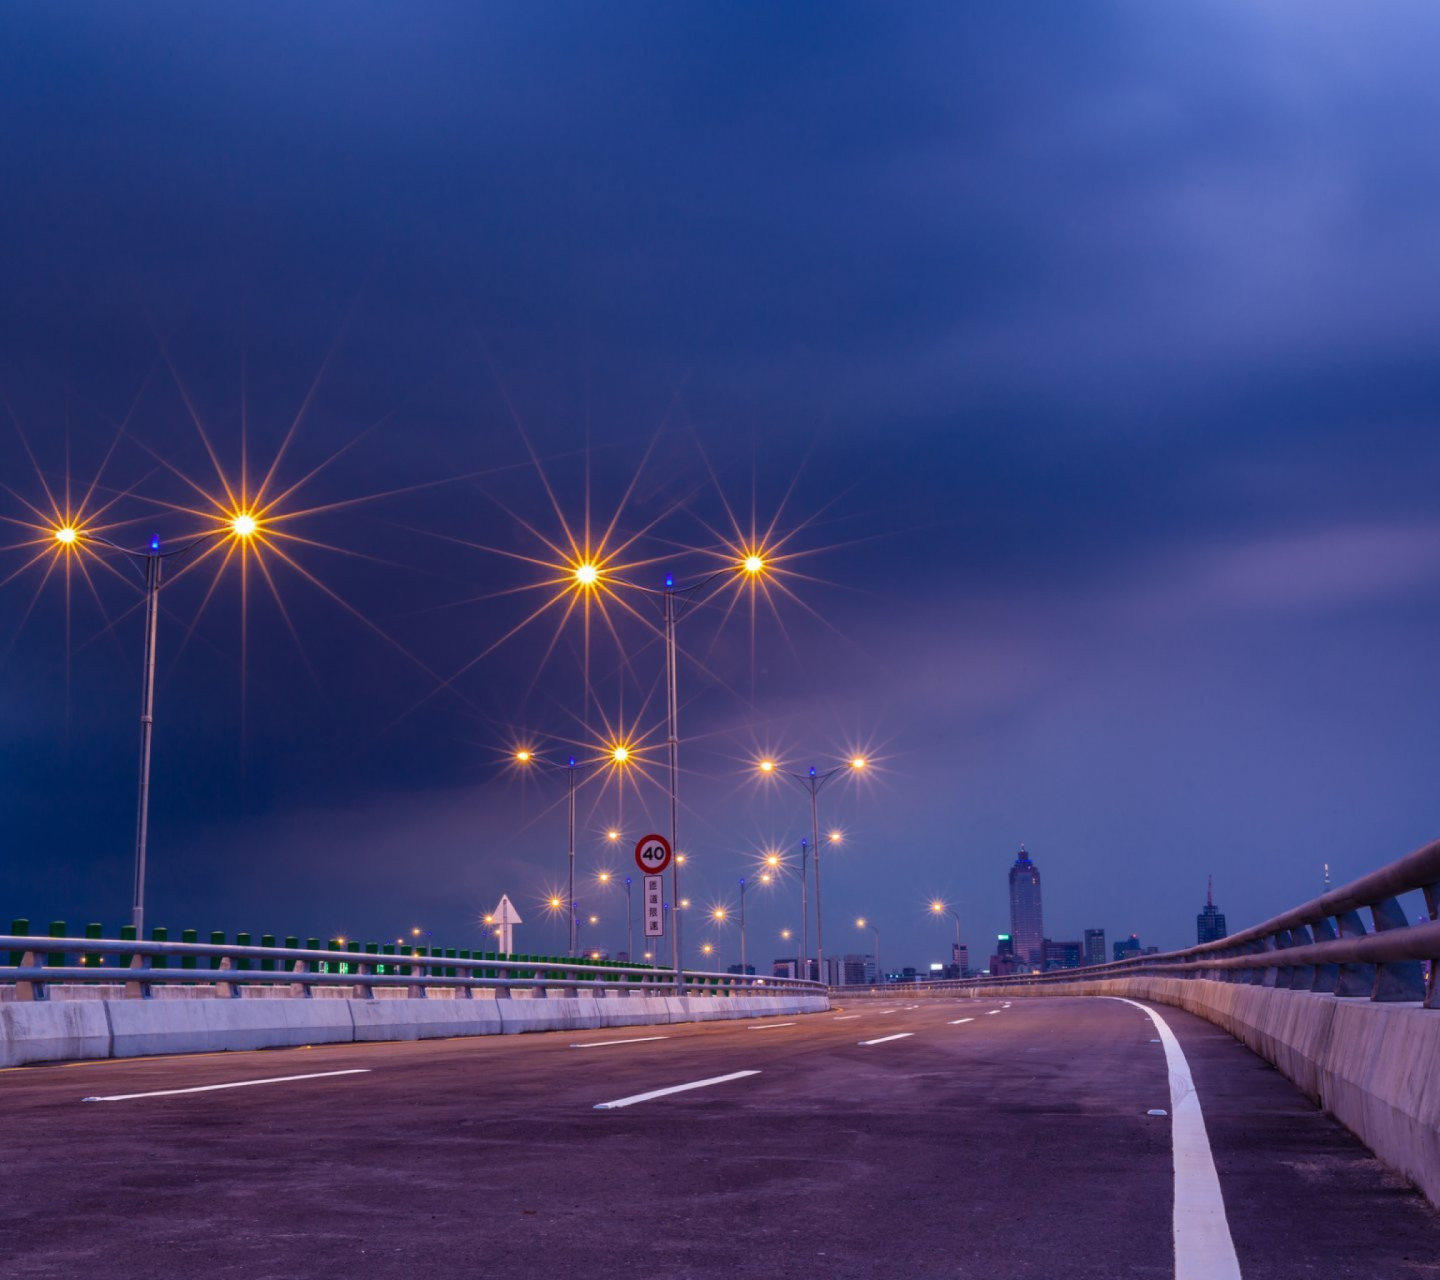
{"points": [[229, 968], [1321, 945]]}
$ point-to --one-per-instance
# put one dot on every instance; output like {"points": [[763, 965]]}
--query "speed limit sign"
{"points": [[652, 854]]}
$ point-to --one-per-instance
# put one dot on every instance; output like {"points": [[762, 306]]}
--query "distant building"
{"points": [[793, 968], [1210, 923], [1027, 926], [1094, 946], [1004, 961], [1150, 951], [853, 971], [1062, 955], [960, 959], [735, 968], [1127, 947]]}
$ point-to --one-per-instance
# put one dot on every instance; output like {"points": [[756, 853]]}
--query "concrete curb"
{"points": [[72, 1030], [1369, 1065]]}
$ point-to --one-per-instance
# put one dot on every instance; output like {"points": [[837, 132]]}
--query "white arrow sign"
{"points": [[505, 918]]}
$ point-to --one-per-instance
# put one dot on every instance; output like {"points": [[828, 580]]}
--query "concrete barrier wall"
{"points": [[1374, 1067], [66, 1030]]}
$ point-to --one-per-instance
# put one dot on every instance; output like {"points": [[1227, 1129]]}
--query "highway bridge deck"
{"points": [[961, 1138]]}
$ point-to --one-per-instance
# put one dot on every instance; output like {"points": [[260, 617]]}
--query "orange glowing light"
{"points": [[67, 535], [767, 766]]}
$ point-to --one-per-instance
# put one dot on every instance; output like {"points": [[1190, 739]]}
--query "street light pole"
{"points": [[862, 923], [629, 926], [574, 941], [241, 526], [942, 909], [812, 782], [147, 731], [672, 738], [804, 911], [743, 970]]}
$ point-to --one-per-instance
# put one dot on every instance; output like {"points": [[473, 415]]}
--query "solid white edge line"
{"points": [[234, 1084], [844, 1017], [989, 1012], [600, 1044], [958, 1021], [1204, 1248], [770, 1026], [674, 1088], [899, 1035]]}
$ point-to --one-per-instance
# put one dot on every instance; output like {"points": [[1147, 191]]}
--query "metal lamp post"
{"points": [[939, 908], [675, 599], [615, 753], [149, 561], [862, 923], [813, 781]]}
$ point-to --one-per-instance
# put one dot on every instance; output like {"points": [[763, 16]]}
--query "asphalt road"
{"points": [[1015, 1144]]}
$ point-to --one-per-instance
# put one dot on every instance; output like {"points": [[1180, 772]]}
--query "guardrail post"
{"points": [[302, 990], [1432, 984], [1326, 976], [1399, 980], [1355, 979], [223, 989], [1281, 974], [1263, 975], [28, 991], [418, 990], [1302, 976]]}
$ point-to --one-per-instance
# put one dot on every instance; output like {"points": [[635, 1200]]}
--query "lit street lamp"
{"points": [[617, 755], [71, 539], [862, 923], [589, 576], [939, 908], [812, 781]]}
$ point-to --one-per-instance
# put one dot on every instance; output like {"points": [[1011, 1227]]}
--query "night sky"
{"points": [[1083, 358]]}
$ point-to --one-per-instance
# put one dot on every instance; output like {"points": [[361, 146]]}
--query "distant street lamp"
{"points": [[939, 908], [813, 781], [616, 755], [862, 923]]}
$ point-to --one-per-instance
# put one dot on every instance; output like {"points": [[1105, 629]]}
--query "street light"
{"points": [[939, 908], [813, 781], [589, 575], [242, 526], [862, 923], [617, 754]]}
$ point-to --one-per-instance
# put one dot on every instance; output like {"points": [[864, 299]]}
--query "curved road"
{"points": [[967, 1138]]}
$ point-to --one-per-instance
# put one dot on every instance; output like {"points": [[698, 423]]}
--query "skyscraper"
{"points": [[1094, 946], [1026, 925], [1210, 923]]}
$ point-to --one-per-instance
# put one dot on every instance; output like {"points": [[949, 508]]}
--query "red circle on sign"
{"points": [[652, 854]]}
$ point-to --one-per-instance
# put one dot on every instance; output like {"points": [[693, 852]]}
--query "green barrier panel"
{"points": [[313, 966], [57, 930], [267, 940], [189, 962], [389, 950], [242, 940], [326, 966], [217, 939], [351, 968], [21, 929], [160, 934], [450, 970], [93, 958]]}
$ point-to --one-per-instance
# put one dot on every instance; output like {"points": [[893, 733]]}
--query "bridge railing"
{"points": [[1321, 945], [142, 967]]}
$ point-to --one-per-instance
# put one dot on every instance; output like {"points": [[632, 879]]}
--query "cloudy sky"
{"points": [[1082, 356]]}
